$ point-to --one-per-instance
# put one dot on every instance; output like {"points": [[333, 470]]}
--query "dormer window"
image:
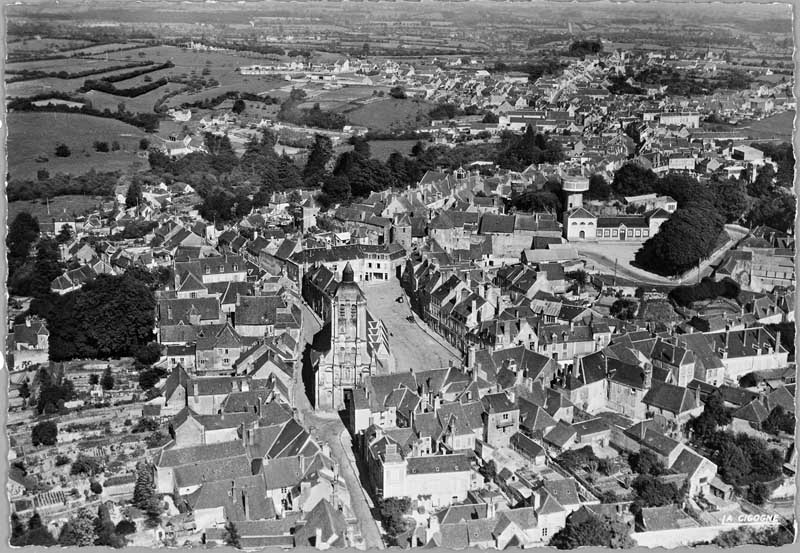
{"points": [[235, 267], [208, 270]]}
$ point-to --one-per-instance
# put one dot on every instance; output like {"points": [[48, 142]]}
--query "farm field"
{"points": [[390, 114], [249, 84], [54, 84], [778, 126], [42, 45], [34, 134], [70, 65], [382, 149], [78, 205]]}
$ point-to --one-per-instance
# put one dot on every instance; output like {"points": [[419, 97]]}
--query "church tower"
{"points": [[349, 356]]}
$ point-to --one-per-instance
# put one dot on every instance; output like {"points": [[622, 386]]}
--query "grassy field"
{"points": [[382, 149], [77, 205], [34, 134], [775, 126], [43, 45], [390, 114]]}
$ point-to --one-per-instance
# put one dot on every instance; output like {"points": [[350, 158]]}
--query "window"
{"points": [[630, 232], [645, 233], [354, 312], [220, 269], [226, 361], [284, 490], [505, 416], [193, 295], [638, 232], [613, 232], [208, 270], [369, 265], [235, 267], [544, 532], [342, 311]]}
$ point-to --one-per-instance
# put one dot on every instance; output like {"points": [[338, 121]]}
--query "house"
{"points": [[581, 225], [501, 419], [699, 471], [672, 405]]}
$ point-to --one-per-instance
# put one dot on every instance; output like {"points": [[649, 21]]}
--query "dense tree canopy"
{"points": [[44, 433], [110, 317], [22, 235], [592, 530], [632, 179], [690, 235]]}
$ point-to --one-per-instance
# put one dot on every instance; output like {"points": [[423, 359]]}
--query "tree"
{"points": [[94, 380], [22, 234], [392, 512], [95, 487], [45, 433], [318, 158], [79, 530], [730, 198], [645, 462], [88, 466], [111, 316], [490, 118], [397, 92], [360, 146], [62, 150], [687, 237], [652, 492], [632, 179], [779, 420], [105, 530], [150, 377], [134, 195], [100, 146], [40, 536], [144, 144], [125, 527], [149, 353], [107, 382], [42, 174], [238, 106], [62, 460], [584, 529], [732, 463], [144, 488], [24, 390], [35, 521], [599, 189], [624, 309], [777, 212], [757, 493], [18, 531], [231, 535], [64, 235]]}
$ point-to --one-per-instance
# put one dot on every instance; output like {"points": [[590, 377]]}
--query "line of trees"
{"points": [[146, 121], [31, 74], [109, 88]]}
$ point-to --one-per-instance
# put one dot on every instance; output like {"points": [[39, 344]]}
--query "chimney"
{"points": [[777, 341], [648, 376]]}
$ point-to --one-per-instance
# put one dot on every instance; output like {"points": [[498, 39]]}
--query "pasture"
{"points": [[390, 114], [25, 45], [382, 149], [34, 135], [77, 205]]}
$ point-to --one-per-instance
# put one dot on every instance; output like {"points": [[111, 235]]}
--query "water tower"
{"points": [[573, 185]]}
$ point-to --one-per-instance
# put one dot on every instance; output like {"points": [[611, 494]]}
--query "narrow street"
{"points": [[328, 428]]}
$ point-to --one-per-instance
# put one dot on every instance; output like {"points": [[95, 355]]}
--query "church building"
{"points": [[359, 346]]}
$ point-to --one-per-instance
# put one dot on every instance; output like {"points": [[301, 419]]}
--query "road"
{"points": [[411, 346], [328, 428]]}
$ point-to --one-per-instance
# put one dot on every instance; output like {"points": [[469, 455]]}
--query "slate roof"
{"points": [[326, 518], [433, 464], [669, 397], [200, 453]]}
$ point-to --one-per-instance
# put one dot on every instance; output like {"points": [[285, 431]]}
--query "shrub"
{"points": [[95, 487]]}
